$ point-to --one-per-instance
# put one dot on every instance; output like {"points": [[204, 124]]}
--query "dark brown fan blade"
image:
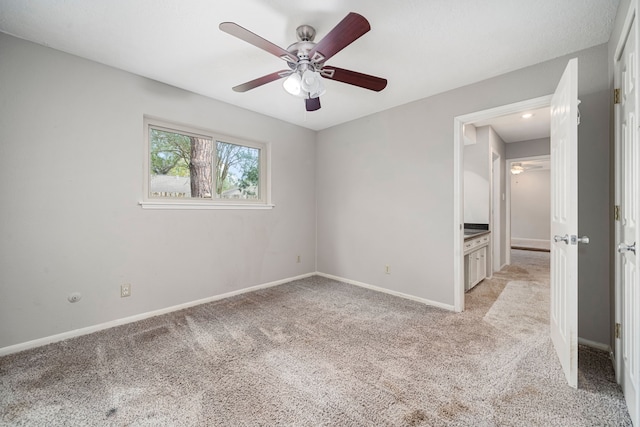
{"points": [[262, 80], [254, 39], [354, 78], [312, 104], [352, 27]]}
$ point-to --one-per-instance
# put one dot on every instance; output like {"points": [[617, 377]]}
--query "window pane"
{"points": [[238, 172], [181, 165]]}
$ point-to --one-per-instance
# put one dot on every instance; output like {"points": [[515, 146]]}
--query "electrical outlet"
{"points": [[387, 269], [298, 259], [125, 290]]}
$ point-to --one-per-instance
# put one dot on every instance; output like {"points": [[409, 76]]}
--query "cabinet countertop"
{"points": [[470, 234]]}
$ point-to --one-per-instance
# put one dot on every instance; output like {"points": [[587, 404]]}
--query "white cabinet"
{"points": [[475, 267], [475, 260]]}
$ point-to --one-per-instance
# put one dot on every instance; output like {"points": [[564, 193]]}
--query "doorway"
{"points": [[459, 134], [537, 213], [564, 120]]}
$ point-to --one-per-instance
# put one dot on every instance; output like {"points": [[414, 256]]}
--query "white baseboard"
{"points": [[593, 344], [531, 243], [388, 291], [95, 328]]}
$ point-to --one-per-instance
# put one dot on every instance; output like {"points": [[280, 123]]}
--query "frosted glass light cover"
{"points": [[310, 81], [292, 84]]}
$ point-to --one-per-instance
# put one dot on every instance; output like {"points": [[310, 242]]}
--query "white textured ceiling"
{"points": [[422, 47]]}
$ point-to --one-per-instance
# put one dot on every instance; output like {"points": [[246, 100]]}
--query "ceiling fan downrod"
{"points": [[306, 33]]}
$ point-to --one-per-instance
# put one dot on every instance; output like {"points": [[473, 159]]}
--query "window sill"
{"points": [[203, 205]]}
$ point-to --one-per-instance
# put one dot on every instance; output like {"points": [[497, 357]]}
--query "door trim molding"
{"points": [[497, 239]]}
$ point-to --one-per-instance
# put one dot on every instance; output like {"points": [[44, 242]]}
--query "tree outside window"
{"points": [[182, 166]]}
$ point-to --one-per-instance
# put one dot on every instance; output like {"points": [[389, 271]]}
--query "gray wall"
{"points": [[477, 178], [594, 171], [385, 187], [531, 148], [531, 205], [71, 155]]}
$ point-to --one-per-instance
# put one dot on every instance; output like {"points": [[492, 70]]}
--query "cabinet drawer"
{"points": [[475, 242]]}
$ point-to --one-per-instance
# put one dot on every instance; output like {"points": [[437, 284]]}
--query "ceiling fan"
{"points": [[306, 59], [518, 168]]}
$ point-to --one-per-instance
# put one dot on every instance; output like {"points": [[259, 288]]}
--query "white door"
{"points": [[564, 221], [628, 163]]}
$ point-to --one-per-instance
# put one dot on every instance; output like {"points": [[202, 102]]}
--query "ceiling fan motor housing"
{"points": [[301, 49], [306, 33]]}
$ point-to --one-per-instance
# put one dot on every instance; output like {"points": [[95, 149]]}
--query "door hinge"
{"points": [[616, 96], [618, 330], [616, 212]]}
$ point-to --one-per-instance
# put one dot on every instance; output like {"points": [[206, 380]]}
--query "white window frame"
{"points": [[148, 202]]}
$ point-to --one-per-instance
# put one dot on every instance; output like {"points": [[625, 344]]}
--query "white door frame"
{"points": [[458, 181], [617, 347], [497, 240], [510, 163]]}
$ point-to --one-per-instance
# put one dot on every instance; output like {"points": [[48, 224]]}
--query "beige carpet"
{"points": [[318, 352]]}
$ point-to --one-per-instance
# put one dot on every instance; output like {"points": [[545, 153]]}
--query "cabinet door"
{"points": [[473, 269], [482, 264]]}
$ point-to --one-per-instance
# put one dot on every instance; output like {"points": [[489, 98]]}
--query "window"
{"points": [[195, 169]]}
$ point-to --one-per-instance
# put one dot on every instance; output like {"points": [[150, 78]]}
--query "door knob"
{"points": [[575, 240], [622, 247], [564, 238]]}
